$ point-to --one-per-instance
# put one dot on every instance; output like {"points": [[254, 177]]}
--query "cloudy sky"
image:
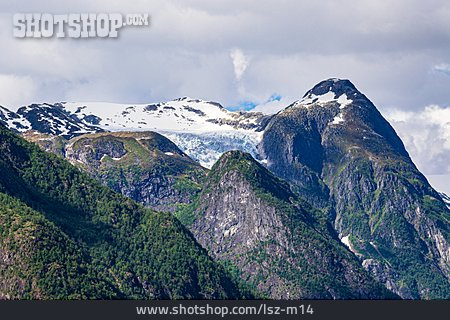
{"points": [[249, 53]]}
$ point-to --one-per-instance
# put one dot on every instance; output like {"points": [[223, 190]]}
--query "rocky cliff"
{"points": [[340, 153], [144, 166], [250, 220], [333, 147]]}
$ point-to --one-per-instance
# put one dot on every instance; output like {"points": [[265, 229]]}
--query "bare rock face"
{"points": [[384, 274], [144, 166], [47, 142], [250, 219], [342, 155], [332, 148]]}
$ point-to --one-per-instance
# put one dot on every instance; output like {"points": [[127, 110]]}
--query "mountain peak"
{"points": [[251, 170], [335, 85], [234, 159], [341, 91], [235, 154]]}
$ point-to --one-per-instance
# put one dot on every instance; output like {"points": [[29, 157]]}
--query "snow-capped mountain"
{"points": [[202, 129], [13, 120]]}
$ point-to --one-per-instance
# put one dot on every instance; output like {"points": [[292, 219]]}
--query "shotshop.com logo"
{"points": [[74, 25]]}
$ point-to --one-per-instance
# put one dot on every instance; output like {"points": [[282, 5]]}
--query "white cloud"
{"points": [[440, 182], [16, 90], [426, 135], [272, 106], [387, 49], [240, 62], [443, 68], [396, 52]]}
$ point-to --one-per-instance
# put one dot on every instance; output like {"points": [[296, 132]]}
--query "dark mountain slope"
{"points": [[249, 219], [145, 166], [340, 153], [39, 261], [117, 248]]}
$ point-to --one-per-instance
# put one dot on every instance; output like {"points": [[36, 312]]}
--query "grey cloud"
{"points": [[426, 135], [442, 68], [396, 52], [387, 48]]}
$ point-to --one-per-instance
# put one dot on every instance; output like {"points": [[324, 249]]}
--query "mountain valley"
{"points": [[318, 201]]}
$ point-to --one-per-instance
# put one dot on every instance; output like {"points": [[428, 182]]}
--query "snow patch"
{"points": [[46, 139], [322, 99], [180, 114], [202, 129], [346, 240], [338, 119], [105, 155], [328, 97], [20, 124], [445, 198], [343, 101]]}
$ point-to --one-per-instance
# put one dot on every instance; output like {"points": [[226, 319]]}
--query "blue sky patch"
{"points": [[249, 105]]}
